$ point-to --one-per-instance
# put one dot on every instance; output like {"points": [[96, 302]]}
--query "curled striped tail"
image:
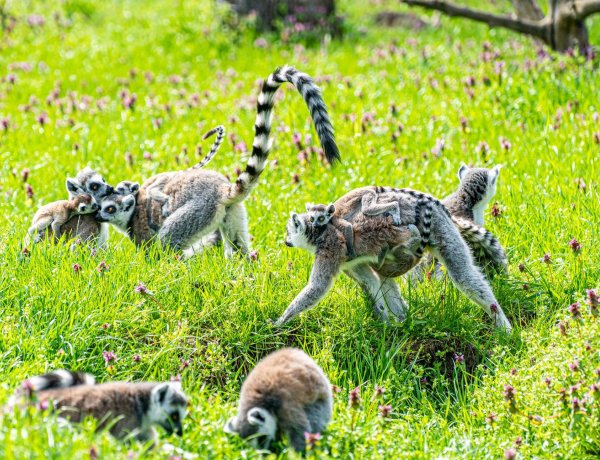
{"points": [[262, 127], [423, 212], [485, 246], [220, 130]]}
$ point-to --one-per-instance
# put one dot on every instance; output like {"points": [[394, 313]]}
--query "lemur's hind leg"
{"points": [[393, 298], [370, 282], [188, 224], [371, 208], [235, 230], [454, 253]]}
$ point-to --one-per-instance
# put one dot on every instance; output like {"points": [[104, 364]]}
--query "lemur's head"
{"points": [[481, 182], [86, 204], [319, 214], [127, 187], [257, 425], [117, 209], [297, 235], [168, 407], [88, 182]]}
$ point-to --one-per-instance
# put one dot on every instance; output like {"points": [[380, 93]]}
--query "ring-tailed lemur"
{"points": [[127, 408], [202, 201], [86, 227], [439, 234], [467, 205], [55, 215], [286, 394]]}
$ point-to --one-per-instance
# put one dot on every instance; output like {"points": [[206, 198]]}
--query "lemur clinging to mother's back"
{"points": [[439, 233], [202, 201]]}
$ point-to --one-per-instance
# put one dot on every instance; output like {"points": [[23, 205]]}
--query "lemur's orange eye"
{"points": [[312, 219], [111, 210], [321, 218]]}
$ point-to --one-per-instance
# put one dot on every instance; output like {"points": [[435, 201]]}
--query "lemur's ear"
{"points": [[295, 218], [495, 173], [128, 202], [462, 171], [331, 209], [73, 186], [135, 188], [308, 206], [230, 426]]}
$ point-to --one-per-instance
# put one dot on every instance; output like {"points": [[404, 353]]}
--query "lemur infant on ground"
{"points": [[286, 394], [127, 408], [321, 215], [56, 214]]}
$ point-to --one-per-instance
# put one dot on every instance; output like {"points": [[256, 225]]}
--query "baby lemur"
{"points": [[56, 214], [129, 409], [321, 215], [85, 227], [440, 234], [202, 201], [286, 394]]}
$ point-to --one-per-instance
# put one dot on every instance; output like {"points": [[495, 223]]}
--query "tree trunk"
{"points": [[310, 12], [562, 29]]}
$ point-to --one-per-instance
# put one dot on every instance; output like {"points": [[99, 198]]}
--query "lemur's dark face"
{"points": [[127, 187], [480, 181], [116, 209], [88, 182], [258, 427], [86, 204], [296, 232]]}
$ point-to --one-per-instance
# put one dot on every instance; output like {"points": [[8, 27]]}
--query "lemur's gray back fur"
{"points": [[262, 127], [220, 130], [484, 244]]}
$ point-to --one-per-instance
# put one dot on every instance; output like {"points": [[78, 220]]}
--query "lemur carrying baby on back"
{"points": [[440, 233], [202, 201]]}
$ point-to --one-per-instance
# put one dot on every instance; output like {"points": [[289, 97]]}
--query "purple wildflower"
{"points": [[510, 454], [137, 358], [354, 397], [593, 301], [509, 393], [385, 410], [76, 268], [42, 119], [574, 366], [459, 358], [311, 439], [546, 259], [109, 356], [574, 310], [575, 246], [29, 191], [141, 288]]}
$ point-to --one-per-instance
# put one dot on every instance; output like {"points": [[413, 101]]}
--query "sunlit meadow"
{"points": [[128, 87]]}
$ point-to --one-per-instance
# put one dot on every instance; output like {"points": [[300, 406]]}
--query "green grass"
{"points": [[214, 312]]}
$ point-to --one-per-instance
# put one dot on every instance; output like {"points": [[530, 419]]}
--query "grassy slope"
{"points": [[214, 312]]}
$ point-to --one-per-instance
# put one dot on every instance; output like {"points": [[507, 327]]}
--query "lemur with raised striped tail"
{"points": [[439, 233], [128, 409], [286, 394], [202, 201]]}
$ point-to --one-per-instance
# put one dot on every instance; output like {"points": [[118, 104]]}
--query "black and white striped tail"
{"points": [[485, 246], [60, 378], [262, 127], [423, 212], [220, 130]]}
